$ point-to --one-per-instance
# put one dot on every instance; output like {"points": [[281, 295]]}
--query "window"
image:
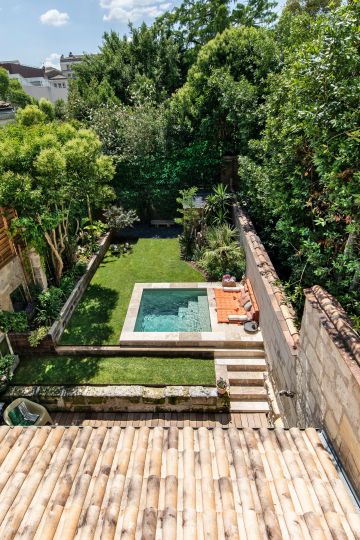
{"points": [[18, 299]]}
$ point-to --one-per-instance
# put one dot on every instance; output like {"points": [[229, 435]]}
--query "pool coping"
{"points": [[220, 333]]}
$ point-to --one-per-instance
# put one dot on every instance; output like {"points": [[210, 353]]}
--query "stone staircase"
{"points": [[245, 369]]}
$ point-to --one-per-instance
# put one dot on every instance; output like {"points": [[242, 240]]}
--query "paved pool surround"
{"points": [[221, 334]]}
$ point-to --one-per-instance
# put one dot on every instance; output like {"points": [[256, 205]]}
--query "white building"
{"points": [[67, 63], [47, 83]]}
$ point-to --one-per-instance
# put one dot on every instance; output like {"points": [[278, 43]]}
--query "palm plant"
{"points": [[222, 254], [217, 208]]}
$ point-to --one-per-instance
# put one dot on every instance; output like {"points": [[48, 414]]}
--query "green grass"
{"points": [[100, 316], [59, 370]]}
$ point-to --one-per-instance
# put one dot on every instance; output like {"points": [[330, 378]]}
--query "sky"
{"points": [[37, 32]]}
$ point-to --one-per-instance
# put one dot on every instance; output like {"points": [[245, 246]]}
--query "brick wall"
{"points": [[277, 318], [329, 376]]}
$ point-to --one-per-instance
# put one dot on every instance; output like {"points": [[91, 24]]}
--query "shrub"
{"points": [[49, 305], [37, 335], [222, 253], [6, 364], [13, 322]]}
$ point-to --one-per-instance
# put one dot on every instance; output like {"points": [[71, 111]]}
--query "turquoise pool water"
{"points": [[173, 310]]}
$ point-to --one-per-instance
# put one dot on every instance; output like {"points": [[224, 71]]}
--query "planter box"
{"points": [[20, 341]]}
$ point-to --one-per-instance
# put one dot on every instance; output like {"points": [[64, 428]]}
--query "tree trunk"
{"points": [[59, 265]]}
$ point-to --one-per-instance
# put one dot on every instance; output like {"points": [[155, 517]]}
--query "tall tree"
{"points": [[51, 174]]}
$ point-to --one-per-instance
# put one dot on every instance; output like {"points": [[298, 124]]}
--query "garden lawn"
{"points": [[100, 316], [59, 370]]}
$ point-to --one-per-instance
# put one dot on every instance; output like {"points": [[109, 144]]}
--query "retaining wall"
{"points": [[112, 398]]}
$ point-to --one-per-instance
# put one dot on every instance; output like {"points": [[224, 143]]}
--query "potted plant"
{"points": [[222, 386], [7, 365]]}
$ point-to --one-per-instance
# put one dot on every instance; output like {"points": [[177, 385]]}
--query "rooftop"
{"points": [[87, 482]]}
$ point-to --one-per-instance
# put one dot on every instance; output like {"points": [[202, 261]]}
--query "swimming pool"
{"points": [[173, 310]]}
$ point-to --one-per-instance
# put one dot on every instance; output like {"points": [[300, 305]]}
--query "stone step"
{"points": [[254, 352], [192, 339], [246, 378], [243, 393], [243, 364], [116, 350], [249, 406]]}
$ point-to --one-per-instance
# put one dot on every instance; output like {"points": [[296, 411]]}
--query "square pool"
{"points": [[173, 310]]}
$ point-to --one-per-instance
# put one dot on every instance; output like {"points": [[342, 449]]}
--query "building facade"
{"points": [[67, 63], [48, 83]]}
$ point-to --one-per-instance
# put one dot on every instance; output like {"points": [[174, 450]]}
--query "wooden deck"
{"points": [[180, 420]]}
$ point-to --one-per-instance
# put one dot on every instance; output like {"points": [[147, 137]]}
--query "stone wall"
{"points": [[277, 318], [11, 276], [329, 377], [321, 366], [112, 398]]}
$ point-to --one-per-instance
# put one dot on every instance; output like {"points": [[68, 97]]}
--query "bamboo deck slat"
{"points": [[170, 483]]}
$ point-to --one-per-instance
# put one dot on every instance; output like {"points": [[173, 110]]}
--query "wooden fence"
{"points": [[7, 248]]}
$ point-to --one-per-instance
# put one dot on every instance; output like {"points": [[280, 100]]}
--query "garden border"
{"points": [[20, 340]]}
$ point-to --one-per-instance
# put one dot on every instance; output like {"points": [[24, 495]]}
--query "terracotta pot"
{"points": [[221, 391]]}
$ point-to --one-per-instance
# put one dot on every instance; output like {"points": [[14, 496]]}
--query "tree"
{"points": [[60, 109], [195, 22], [225, 88], [47, 108], [30, 115], [301, 181], [125, 70], [12, 91], [52, 174]]}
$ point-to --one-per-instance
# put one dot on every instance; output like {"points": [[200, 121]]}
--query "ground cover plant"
{"points": [[100, 315], [59, 370]]}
